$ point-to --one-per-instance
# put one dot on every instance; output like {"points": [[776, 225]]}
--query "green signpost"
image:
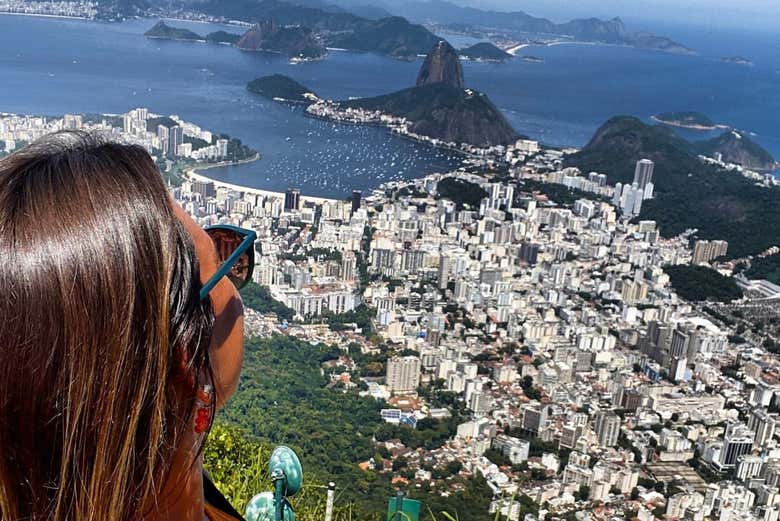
{"points": [[402, 509]]}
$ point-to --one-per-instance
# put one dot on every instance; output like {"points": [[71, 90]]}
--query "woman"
{"points": [[111, 365]]}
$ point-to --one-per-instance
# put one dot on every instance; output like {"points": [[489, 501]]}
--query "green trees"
{"points": [[697, 283], [282, 398], [460, 192], [765, 268], [259, 298], [238, 465]]}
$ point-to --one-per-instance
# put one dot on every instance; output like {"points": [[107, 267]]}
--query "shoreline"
{"points": [[43, 15], [678, 124], [193, 174], [208, 166]]}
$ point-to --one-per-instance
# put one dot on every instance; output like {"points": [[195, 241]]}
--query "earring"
{"points": [[203, 399]]}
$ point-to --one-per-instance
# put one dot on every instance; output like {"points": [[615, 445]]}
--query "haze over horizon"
{"points": [[763, 14]]}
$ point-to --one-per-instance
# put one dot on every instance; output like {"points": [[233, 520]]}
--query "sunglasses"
{"points": [[235, 253]]}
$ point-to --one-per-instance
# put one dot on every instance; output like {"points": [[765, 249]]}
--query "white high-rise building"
{"points": [[643, 174], [403, 374], [607, 427], [737, 440]]}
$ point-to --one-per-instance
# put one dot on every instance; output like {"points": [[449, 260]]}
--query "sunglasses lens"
{"points": [[226, 242]]}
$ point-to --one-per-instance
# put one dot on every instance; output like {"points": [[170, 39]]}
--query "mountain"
{"points": [[484, 51], [280, 87], [163, 31], [736, 147], [439, 107], [393, 36], [519, 24], [688, 193], [445, 112], [294, 41], [441, 65]]}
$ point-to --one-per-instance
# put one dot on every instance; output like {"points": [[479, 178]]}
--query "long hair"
{"points": [[102, 334]]}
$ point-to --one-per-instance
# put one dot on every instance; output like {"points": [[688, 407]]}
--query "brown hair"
{"points": [[100, 324]]}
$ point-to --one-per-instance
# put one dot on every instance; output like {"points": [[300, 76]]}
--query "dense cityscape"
{"points": [[585, 380], [540, 333], [587, 387], [549, 327]]}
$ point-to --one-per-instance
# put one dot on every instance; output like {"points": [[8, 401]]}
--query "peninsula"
{"points": [[281, 88]]}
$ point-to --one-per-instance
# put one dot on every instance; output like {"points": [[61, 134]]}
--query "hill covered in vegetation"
{"points": [[444, 112], [765, 268], [689, 194], [737, 147], [699, 283], [284, 398], [484, 51], [163, 31], [293, 41]]}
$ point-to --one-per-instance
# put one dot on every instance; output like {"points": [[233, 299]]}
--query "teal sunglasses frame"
{"points": [[246, 246]]}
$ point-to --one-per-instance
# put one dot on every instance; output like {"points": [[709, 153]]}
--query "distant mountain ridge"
{"points": [[366, 29], [518, 22], [394, 36]]}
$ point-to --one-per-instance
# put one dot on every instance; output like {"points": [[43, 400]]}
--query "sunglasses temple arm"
{"points": [[227, 265]]}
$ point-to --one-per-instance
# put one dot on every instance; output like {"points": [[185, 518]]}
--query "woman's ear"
{"points": [[227, 336]]}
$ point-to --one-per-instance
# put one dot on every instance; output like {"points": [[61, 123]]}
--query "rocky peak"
{"points": [[442, 65], [253, 38]]}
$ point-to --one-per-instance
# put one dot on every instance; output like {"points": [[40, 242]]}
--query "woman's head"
{"points": [[103, 335]]}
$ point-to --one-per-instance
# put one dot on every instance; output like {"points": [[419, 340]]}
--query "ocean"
{"points": [[56, 66]]}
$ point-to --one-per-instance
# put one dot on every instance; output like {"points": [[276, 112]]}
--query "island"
{"points": [[690, 120], [484, 51], [296, 42], [163, 31], [281, 88], [737, 60]]}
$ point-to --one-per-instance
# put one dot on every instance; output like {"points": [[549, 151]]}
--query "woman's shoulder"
{"points": [[215, 514], [216, 506]]}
